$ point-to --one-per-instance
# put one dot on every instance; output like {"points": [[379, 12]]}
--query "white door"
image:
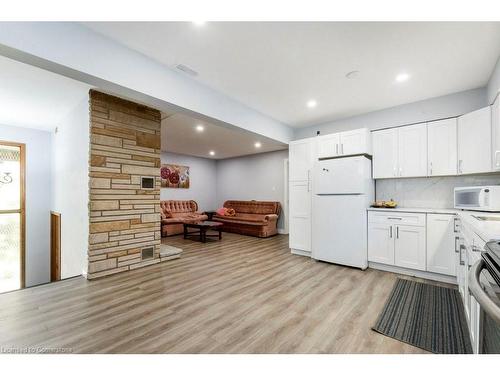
{"points": [[300, 215], [300, 159], [412, 150], [409, 247], [339, 233], [495, 127], [442, 147], [381, 243], [441, 244], [385, 153], [354, 142], [474, 142], [328, 145]]}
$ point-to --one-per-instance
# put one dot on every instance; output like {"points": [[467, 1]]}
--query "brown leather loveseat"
{"points": [[175, 213], [253, 218]]}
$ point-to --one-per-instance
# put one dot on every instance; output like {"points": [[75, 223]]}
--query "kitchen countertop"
{"points": [[487, 230], [450, 211]]}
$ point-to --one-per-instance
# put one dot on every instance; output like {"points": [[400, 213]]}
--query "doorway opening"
{"points": [[12, 216]]}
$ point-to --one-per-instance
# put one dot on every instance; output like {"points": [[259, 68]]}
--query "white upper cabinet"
{"points": [[474, 142], [495, 128], [385, 153], [301, 158], [412, 151], [355, 142], [328, 145], [343, 144], [442, 147]]}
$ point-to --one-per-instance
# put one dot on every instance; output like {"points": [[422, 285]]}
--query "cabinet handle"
{"points": [[455, 226], [456, 241], [395, 218], [397, 232], [462, 263], [430, 168], [342, 148], [460, 166], [390, 236], [337, 149], [476, 249]]}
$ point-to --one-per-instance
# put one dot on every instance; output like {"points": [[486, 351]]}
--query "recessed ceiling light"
{"points": [[199, 128], [401, 77], [212, 153], [257, 144], [352, 75], [311, 103], [199, 23]]}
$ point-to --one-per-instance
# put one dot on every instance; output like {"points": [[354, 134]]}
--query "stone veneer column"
{"points": [[125, 145]]}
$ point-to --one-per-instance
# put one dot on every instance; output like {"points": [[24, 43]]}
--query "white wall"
{"points": [[494, 83], [259, 177], [202, 174], [425, 110], [70, 195], [432, 192], [38, 187]]}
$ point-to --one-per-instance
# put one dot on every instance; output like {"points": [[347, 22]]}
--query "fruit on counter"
{"points": [[391, 204], [385, 204]]}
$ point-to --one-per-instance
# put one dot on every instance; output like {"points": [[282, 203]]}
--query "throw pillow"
{"points": [[221, 211], [230, 212], [167, 214]]}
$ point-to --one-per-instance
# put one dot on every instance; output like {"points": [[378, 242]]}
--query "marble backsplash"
{"points": [[430, 192]]}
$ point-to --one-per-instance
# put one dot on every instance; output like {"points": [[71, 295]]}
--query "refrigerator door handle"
{"points": [[390, 235]]}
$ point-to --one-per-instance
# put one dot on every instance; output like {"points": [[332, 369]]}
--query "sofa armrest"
{"points": [[271, 217]]}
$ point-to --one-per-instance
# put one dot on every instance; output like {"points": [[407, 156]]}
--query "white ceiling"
{"points": [[276, 67], [179, 135], [35, 98]]}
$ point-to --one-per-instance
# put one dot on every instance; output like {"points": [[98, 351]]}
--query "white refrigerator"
{"points": [[343, 189]]}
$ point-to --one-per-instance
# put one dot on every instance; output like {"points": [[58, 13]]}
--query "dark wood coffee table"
{"points": [[201, 229]]}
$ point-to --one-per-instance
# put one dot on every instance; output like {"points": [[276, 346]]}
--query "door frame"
{"points": [[22, 208], [55, 246]]}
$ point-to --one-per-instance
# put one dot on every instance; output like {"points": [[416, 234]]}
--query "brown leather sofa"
{"points": [[175, 213], [253, 218]]}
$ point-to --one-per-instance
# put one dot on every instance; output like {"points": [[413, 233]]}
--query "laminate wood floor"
{"points": [[238, 295]]}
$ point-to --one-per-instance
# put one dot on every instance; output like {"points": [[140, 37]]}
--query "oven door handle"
{"points": [[479, 294]]}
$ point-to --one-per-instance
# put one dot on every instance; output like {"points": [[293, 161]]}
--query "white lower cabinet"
{"points": [[442, 244], [380, 243], [417, 241], [409, 249], [392, 242]]}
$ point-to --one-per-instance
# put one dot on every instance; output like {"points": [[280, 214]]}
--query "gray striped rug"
{"points": [[427, 316]]}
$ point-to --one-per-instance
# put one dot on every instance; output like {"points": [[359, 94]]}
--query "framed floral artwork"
{"points": [[174, 176]]}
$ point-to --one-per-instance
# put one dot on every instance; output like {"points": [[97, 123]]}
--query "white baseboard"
{"points": [[301, 252], [416, 273]]}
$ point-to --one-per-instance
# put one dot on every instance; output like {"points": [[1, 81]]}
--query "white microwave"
{"points": [[478, 198]]}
